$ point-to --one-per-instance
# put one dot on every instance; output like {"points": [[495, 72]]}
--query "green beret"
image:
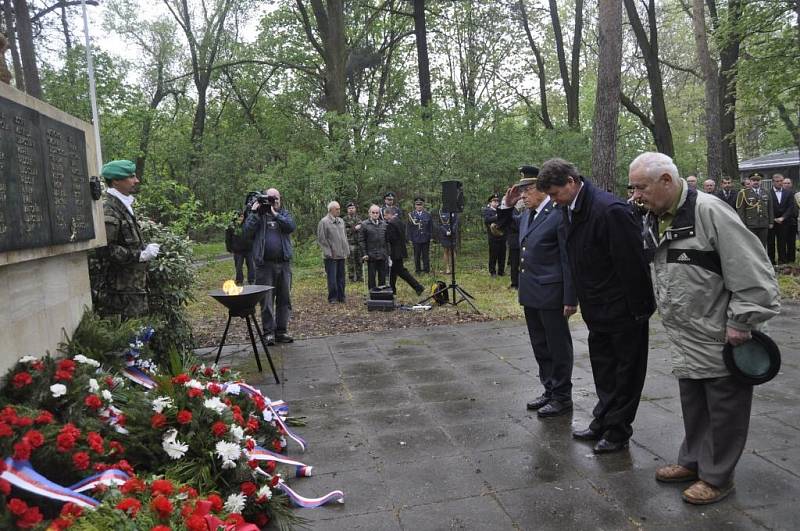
{"points": [[118, 169]]}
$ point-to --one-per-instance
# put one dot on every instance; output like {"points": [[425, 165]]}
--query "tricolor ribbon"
{"points": [[262, 454], [310, 503], [22, 475], [138, 376], [112, 476]]}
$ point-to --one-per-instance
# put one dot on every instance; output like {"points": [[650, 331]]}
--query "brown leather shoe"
{"points": [[702, 493], [675, 474]]}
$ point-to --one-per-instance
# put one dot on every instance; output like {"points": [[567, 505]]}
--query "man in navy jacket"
{"points": [[612, 282], [545, 291]]}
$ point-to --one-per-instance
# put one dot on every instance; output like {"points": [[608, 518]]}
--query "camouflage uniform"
{"points": [[354, 268], [755, 209], [122, 284]]}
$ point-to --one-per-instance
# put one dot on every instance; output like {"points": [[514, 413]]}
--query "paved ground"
{"points": [[427, 430]]}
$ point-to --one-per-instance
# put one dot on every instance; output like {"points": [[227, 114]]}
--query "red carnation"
{"points": [[63, 376], [184, 416], [235, 519], [224, 370], [219, 428], [109, 382], [189, 491], [5, 430], [260, 403], [30, 519], [93, 402], [180, 379], [21, 379], [45, 417], [261, 520], [80, 460], [17, 506], [37, 365], [23, 422], [121, 420], [116, 447], [132, 485], [274, 481], [250, 444], [5, 487], [65, 442], [66, 365], [271, 466], [208, 371], [130, 506], [34, 438], [252, 464], [162, 486], [3, 466], [214, 388], [193, 392], [196, 523], [162, 506], [95, 441], [252, 424], [70, 510], [216, 502], [248, 488], [276, 444], [8, 414], [123, 465], [161, 528], [22, 450], [158, 421]]}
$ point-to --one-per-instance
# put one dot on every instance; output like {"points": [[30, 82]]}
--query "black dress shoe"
{"points": [[604, 446], [538, 403], [284, 338], [587, 435], [555, 408]]}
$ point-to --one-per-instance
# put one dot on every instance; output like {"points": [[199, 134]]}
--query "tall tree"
{"points": [[606, 107], [27, 50], [423, 63], [8, 17], [648, 44], [522, 12], [570, 75], [712, 104]]}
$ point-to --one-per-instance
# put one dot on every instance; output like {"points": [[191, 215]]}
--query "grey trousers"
{"points": [[276, 308], [716, 417]]}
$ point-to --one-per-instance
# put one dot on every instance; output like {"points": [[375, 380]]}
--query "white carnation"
{"points": [[93, 385], [27, 359], [264, 493], [233, 389], [215, 404], [80, 358], [237, 432], [58, 390], [194, 384], [106, 394], [228, 452], [235, 503], [174, 448], [161, 403]]}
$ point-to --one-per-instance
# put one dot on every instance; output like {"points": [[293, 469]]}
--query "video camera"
{"points": [[265, 202]]}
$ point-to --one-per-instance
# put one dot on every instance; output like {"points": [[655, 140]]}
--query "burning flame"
{"points": [[230, 288]]}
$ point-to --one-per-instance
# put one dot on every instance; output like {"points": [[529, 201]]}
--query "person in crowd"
{"points": [[390, 201], [396, 244], [755, 208], [352, 224], [709, 186], [783, 209], [713, 284], [420, 231], [372, 237], [240, 247], [726, 192], [692, 180], [496, 237], [332, 239], [121, 284], [791, 222], [270, 226], [546, 291], [447, 231], [747, 183], [612, 283]]}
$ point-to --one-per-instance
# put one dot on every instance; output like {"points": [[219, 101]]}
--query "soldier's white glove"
{"points": [[150, 252]]}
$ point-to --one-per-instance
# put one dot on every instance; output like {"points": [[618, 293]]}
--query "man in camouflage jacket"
{"points": [[121, 288], [352, 224]]}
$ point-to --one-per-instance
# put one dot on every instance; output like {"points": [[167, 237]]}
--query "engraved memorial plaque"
{"points": [[44, 181]]}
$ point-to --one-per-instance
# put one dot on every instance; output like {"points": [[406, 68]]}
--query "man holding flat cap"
{"points": [[121, 286], [713, 284]]}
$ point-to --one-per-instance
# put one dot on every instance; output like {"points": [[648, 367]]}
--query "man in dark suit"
{"points": [[545, 292], [726, 192], [783, 209], [496, 237], [612, 283], [396, 244]]}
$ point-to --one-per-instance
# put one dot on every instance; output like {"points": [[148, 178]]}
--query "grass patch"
{"points": [[789, 286], [203, 252]]}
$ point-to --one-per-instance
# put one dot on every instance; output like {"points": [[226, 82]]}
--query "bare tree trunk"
{"points": [[729, 59], [606, 108], [792, 126], [662, 133], [5, 75], [33, 85], [712, 107], [19, 78], [423, 64], [65, 28], [540, 71], [570, 80]]}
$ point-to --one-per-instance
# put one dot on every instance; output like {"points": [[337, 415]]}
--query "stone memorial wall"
{"points": [[48, 221]]}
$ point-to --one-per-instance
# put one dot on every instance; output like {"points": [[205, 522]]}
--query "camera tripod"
{"points": [[459, 294]]}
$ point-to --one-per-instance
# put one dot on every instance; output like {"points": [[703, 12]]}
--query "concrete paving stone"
{"points": [[429, 375], [343, 455], [442, 392], [292, 391], [662, 442], [406, 350], [347, 345], [321, 373], [760, 483], [412, 444], [651, 416], [563, 505], [371, 382], [472, 409], [776, 517], [467, 355], [361, 400], [521, 467], [311, 406], [333, 427], [486, 434], [415, 363], [478, 513], [579, 455], [422, 482], [489, 367], [361, 367], [351, 356], [501, 384], [365, 492], [395, 418], [786, 458], [378, 521], [769, 434], [298, 361]]}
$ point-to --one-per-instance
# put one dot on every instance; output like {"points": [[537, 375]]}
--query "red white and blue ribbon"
{"points": [[310, 503], [138, 376], [22, 475], [274, 408], [262, 454], [109, 477]]}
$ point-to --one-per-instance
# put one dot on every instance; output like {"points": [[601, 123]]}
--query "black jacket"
{"points": [[396, 239], [729, 198], [606, 255], [373, 239]]}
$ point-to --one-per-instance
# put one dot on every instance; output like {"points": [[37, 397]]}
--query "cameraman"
{"points": [[269, 226]]}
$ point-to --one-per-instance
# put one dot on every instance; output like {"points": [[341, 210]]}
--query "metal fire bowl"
{"points": [[244, 303]]}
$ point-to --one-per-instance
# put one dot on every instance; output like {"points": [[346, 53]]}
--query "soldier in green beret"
{"points": [[755, 208], [121, 288]]}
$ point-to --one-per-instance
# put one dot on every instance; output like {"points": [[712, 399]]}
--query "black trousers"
{"points": [[781, 237], [376, 267], [399, 270], [552, 347], [762, 235], [497, 257], [619, 365], [513, 262], [791, 243], [422, 257], [716, 418]]}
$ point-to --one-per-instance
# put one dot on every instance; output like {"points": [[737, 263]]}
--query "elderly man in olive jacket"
{"points": [[332, 239]]}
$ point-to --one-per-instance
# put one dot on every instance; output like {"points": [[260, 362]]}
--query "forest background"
{"points": [[346, 99]]}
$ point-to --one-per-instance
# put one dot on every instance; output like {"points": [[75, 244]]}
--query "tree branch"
{"points": [[59, 5]]}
